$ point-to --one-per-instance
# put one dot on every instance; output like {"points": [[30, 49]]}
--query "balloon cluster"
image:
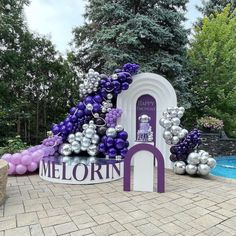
{"points": [[28, 160], [199, 163], [112, 116], [180, 151], [81, 141], [91, 119], [173, 133], [184, 145], [114, 144], [90, 84]]}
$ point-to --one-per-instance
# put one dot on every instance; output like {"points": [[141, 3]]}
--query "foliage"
{"points": [[13, 145], [211, 123], [150, 34], [210, 7], [213, 61], [36, 83]]}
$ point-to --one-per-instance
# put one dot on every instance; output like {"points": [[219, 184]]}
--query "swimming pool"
{"points": [[225, 167]]}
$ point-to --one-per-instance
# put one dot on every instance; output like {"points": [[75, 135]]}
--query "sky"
{"points": [[57, 18]]}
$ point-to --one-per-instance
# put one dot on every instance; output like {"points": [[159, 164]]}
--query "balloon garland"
{"points": [[90, 126], [184, 149]]}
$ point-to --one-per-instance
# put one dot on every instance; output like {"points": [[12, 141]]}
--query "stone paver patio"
{"points": [[190, 206]]}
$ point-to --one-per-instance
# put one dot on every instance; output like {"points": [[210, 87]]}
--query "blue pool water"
{"points": [[225, 167]]}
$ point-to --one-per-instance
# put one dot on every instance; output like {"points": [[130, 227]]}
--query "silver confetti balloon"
{"points": [[193, 158], [65, 149], [179, 167], [191, 169], [204, 169], [211, 162], [111, 132]]}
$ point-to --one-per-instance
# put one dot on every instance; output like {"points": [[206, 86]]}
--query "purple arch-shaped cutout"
{"points": [[160, 167]]}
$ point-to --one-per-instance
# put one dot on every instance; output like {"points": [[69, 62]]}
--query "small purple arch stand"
{"points": [[160, 167]]}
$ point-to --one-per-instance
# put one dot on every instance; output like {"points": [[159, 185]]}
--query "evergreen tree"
{"points": [[150, 33]]}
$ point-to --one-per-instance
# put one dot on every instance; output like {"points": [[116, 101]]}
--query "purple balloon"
{"points": [[55, 129], [97, 98], [26, 160], [109, 142], [7, 157], [116, 84], [21, 169], [123, 152], [88, 99], [32, 167], [16, 158], [102, 147], [123, 135], [125, 86], [73, 110], [81, 106], [112, 152], [11, 168], [96, 107], [79, 113], [119, 143]]}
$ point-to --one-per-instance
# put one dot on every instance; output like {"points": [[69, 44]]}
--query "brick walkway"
{"points": [[190, 206]]}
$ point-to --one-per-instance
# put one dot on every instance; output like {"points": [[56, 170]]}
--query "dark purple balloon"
{"points": [[126, 143], [112, 152], [88, 99], [110, 142], [101, 147], [123, 135], [73, 110], [81, 106], [55, 129], [96, 107], [173, 158], [119, 143], [97, 98], [122, 77], [73, 118], [123, 152], [125, 86], [79, 113]]}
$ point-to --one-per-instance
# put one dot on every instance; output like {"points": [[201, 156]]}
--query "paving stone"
{"points": [[13, 210], [65, 228], [206, 221], [54, 220], [49, 231], [149, 229], [171, 228], [103, 230], [36, 230], [7, 223], [27, 219], [21, 231]]}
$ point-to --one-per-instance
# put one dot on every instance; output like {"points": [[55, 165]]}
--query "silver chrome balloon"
{"points": [[167, 124], [203, 159], [119, 128], [71, 138], [75, 147], [175, 140], [92, 150], [89, 132], [211, 162], [95, 139], [167, 135], [179, 167], [65, 149], [191, 169], [78, 136], [204, 169], [193, 158], [111, 132], [175, 129], [175, 121]]}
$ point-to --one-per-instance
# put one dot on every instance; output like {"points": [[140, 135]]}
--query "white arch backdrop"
{"points": [[164, 94]]}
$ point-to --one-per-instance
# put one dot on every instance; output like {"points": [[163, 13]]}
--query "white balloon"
{"points": [[175, 121], [167, 135]]}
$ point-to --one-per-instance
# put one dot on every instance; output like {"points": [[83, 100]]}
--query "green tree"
{"points": [[36, 83], [212, 6], [213, 59], [149, 33]]}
